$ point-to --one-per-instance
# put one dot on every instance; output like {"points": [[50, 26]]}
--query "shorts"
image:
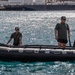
{"points": [[16, 44], [62, 40]]}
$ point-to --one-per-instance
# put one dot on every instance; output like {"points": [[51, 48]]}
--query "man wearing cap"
{"points": [[17, 37], [61, 31]]}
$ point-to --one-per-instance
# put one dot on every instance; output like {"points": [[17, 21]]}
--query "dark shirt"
{"points": [[16, 38], [62, 30]]}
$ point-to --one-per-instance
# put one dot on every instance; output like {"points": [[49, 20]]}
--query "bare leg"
{"points": [[59, 45], [64, 45]]}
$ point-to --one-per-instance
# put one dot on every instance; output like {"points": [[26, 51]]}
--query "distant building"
{"points": [[57, 0], [40, 2], [3, 2], [36, 2], [49, 1], [16, 2], [28, 2], [62, 2]]}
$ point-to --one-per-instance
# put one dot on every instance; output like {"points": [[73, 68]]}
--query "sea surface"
{"points": [[37, 28]]}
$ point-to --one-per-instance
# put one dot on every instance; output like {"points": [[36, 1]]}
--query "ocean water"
{"points": [[37, 28]]}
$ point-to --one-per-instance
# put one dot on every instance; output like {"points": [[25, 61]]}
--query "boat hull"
{"points": [[34, 53]]}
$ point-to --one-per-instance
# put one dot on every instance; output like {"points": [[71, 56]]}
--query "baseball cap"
{"points": [[63, 18], [16, 28]]}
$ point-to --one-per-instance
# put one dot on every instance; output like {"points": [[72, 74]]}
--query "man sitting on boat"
{"points": [[61, 32], [17, 36]]}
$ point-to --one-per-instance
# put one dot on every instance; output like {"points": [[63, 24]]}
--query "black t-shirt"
{"points": [[62, 30], [16, 38]]}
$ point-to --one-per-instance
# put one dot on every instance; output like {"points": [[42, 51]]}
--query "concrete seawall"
{"points": [[40, 7]]}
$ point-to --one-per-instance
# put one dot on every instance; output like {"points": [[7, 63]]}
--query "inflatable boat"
{"points": [[34, 53]]}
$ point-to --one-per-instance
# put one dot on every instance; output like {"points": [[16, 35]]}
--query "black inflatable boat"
{"points": [[33, 53]]}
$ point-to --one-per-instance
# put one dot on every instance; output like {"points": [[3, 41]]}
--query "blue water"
{"points": [[37, 28]]}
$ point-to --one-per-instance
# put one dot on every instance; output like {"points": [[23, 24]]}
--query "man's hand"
{"points": [[19, 45], [5, 44], [11, 45], [68, 36], [68, 33], [56, 34], [56, 37]]}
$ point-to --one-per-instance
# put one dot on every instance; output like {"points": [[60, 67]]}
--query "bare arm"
{"points": [[69, 33], [56, 34], [20, 42], [9, 41]]}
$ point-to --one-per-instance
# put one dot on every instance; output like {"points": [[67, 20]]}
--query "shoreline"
{"points": [[37, 7]]}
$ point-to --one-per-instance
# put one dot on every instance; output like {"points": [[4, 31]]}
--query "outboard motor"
{"points": [[74, 44]]}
